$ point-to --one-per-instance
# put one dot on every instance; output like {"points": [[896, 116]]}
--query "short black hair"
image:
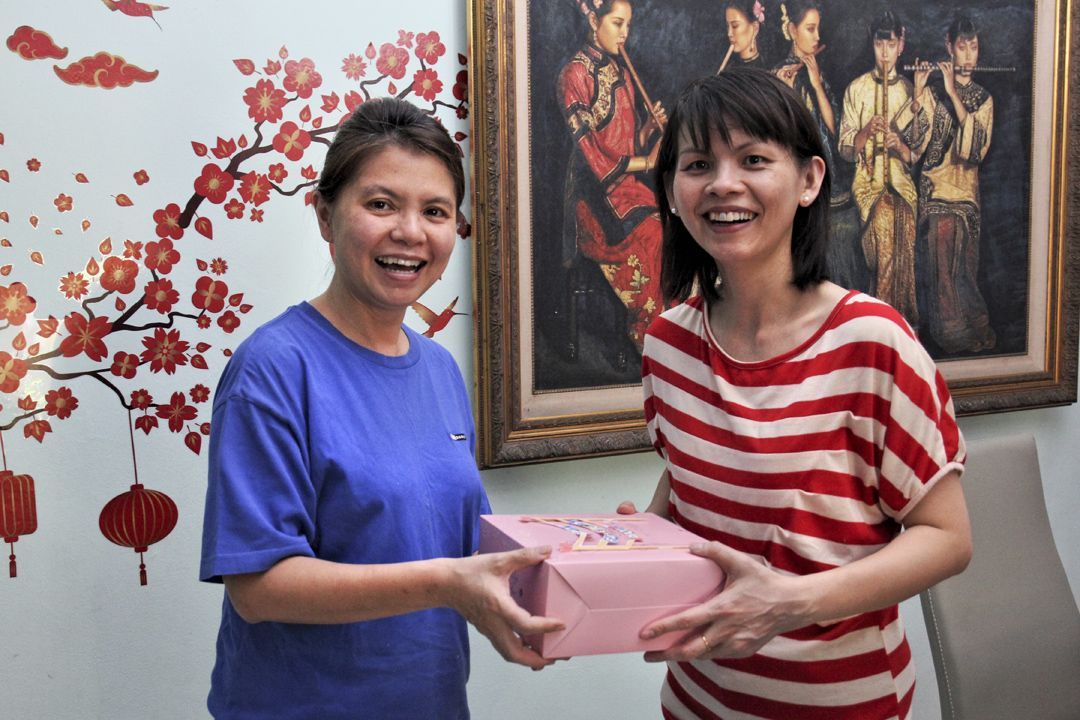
{"points": [[761, 105]]}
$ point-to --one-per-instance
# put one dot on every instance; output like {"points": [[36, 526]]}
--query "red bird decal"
{"points": [[435, 322], [135, 9]]}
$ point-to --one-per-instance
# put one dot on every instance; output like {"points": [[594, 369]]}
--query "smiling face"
{"points": [[738, 200], [806, 35], [612, 29], [741, 32], [391, 231]]}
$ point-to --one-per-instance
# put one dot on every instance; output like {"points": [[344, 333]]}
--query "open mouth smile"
{"points": [[729, 218], [402, 265]]}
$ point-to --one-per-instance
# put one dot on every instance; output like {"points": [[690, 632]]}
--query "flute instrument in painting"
{"points": [[641, 88], [978, 68], [727, 57], [881, 107]]}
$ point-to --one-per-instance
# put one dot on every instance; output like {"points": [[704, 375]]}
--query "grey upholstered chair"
{"points": [[1005, 634]]}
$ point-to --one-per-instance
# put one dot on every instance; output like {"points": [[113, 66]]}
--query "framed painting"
{"points": [[567, 237]]}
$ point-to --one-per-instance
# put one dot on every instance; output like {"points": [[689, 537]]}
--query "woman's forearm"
{"points": [[935, 546], [308, 590]]}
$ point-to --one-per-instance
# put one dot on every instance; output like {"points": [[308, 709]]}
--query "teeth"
{"points": [[731, 216], [400, 262]]}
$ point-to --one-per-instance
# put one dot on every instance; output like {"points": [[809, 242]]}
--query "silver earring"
{"points": [[718, 283], [674, 211]]}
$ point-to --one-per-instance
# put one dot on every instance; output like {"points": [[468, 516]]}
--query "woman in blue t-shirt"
{"points": [[343, 502]]}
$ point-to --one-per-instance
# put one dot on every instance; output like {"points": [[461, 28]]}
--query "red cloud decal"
{"points": [[105, 71], [34, 44]]}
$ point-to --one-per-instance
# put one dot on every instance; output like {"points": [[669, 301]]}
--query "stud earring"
{"points": [[674, 211], [805, 200], [718, 283]]}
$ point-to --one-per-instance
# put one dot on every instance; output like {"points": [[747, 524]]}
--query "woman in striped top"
{"points": [[802, 425]]}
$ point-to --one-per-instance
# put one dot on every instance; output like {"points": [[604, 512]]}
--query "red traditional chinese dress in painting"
{"points": [[610, 213]]}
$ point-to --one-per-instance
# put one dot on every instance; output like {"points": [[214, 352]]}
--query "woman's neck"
{"points": [[377, 331]]}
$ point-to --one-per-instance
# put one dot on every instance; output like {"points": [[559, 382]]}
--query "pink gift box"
{"points": [[607, 578]]}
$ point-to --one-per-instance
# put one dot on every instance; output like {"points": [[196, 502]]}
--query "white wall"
{"points": [[78, 637]]}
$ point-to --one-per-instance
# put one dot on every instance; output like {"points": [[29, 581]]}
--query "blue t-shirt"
{"points": [[320, 447]]}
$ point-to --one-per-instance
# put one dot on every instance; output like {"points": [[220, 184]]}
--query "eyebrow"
{"points": [[383, 190]]}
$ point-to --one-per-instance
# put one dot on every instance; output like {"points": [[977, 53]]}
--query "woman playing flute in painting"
{"points": [[875, 134], [800, 21], [960, 116], [611, 216], [744, 19]]}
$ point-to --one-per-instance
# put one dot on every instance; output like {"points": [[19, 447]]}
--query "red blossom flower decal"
{"points": [[426, 84], [218, 266], [234, 209], [203, 321], [133, 250], [168, 222], [74, 285], [256, 215], [353, 100], [161, 256], [214, 183], [255, 188], [15, 304], [37, 429], [63, 202], [228, 321], [429, 47], [85, 336], [12, 370], [209, 294], [461, 86], [200, 394], [392, 61], [119, 275], [164, 351], [404, 39], [264, 101], [141, 399], [124, 365], [277, 172], [141, 177], [60, 403], [161, 296], [301, 77], [353, 67], [291, 141], [177, 411], [33, 164]]}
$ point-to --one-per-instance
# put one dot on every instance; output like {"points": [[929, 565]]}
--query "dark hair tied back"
{"points": [[382, 123]]}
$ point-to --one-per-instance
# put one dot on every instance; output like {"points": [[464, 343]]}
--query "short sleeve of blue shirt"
{"points": [[322, 448]]}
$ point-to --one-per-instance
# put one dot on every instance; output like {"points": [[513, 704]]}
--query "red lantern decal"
{"points": [[18, 510], [137, 519]]}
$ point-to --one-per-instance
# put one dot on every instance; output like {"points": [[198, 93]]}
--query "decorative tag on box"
{"points": [[607, 578]]}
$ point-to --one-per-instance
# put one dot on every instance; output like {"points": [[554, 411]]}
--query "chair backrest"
{"points": [[1005, 633]]}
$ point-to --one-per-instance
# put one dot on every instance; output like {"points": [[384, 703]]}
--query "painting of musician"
{"points": [[959, 114], [876, 132], [609, 210], [745, 20], [592, 234], [801, 25]]}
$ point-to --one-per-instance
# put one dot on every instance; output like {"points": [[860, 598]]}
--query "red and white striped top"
{"points": [[809, 461]]}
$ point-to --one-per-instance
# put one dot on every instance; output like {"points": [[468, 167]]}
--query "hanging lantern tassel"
{"points": [[18, 511], [137, 519]]}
